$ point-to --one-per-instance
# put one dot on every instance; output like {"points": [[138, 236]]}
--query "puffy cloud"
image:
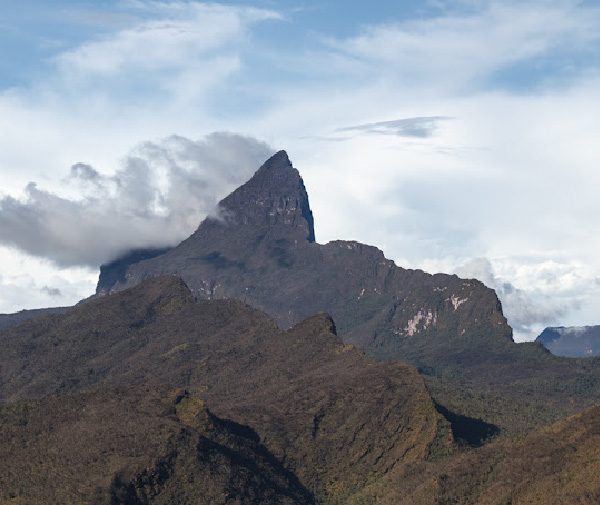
{"points": [[157, 198], [529, 310]]}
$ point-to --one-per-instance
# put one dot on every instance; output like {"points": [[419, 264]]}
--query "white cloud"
{"points": [[461, 49], [185, 33], [156, 199], [24, 280], [530, 310], [164, 72]]}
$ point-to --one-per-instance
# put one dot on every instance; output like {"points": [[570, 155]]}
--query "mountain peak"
{"points": [[279, 161], [274, 196]]}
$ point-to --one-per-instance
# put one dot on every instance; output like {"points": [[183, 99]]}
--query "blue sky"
{"points": [[460, 136]]}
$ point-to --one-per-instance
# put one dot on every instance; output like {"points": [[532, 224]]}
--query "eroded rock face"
{"points": [[263, 252], [275, 197], [572, 342]]}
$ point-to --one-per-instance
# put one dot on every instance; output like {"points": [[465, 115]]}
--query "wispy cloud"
{"points": [[461, 49], [419, 127], [185, 33]]}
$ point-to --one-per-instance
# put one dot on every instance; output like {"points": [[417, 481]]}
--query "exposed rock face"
{"points": [[262, 251], [572, 342], [114, 272], [333, 417], [275, 198]]}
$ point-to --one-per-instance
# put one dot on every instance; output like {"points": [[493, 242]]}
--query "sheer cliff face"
{"points": [[275, 198], [262, 250]]}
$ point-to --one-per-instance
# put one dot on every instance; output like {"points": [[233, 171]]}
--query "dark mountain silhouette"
{"points": [[572, 342], [262, 251]]}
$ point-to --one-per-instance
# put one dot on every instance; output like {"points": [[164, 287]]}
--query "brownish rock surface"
{"points": [[335, 418]]}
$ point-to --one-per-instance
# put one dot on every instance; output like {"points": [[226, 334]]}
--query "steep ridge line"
{"points": [[262, 252]]}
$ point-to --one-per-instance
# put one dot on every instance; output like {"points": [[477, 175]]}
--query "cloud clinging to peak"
{"points": [[156, 198]]}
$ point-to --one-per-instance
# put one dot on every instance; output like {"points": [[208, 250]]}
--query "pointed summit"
{"points": [[274, 196]]}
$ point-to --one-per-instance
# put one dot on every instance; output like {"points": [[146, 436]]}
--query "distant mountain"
{"points": [[262, 250], [8, 320], [572, 342]]}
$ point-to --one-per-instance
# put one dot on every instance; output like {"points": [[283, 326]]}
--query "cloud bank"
{"points": [[156, 198]]}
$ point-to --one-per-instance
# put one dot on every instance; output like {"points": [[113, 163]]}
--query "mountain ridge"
{"points": [[453, 330], [322, 408], [149, 397]]}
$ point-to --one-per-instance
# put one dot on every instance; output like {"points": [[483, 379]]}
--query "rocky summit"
{"points": [[262, 250]]}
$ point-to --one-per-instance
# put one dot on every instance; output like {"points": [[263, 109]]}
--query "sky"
{"points": [[457, 136]]}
